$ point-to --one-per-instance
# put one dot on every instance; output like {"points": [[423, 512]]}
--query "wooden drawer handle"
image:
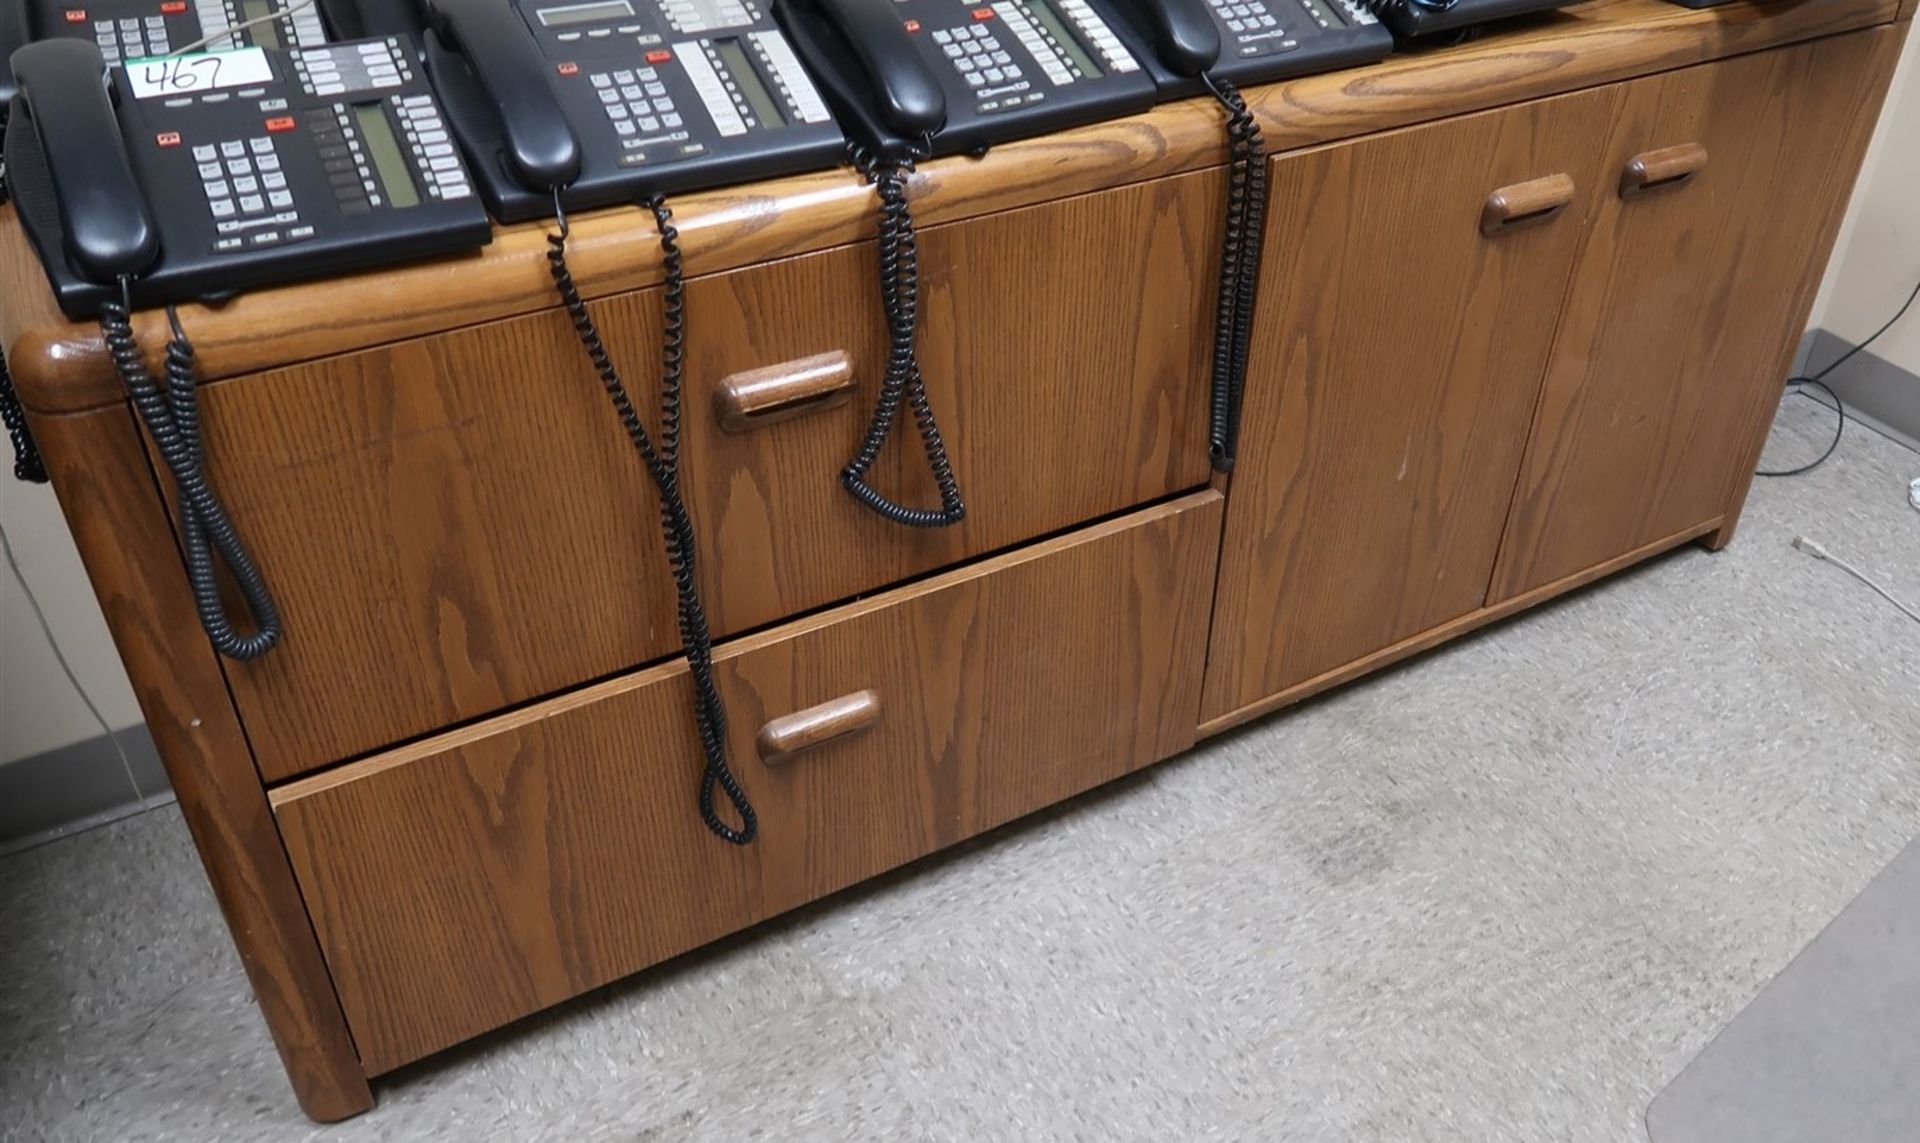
{"points": [[1526, 204], [1659, 170], [781, 392], [784, 737]]}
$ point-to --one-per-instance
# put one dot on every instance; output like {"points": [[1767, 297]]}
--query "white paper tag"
{"points": [[202, 71]]}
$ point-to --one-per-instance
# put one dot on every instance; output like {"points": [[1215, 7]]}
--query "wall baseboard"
{"points": [[78, 787], [1876, 391]]}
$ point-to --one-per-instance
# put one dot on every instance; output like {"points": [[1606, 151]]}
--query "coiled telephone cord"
{"points": [[1240, 253], [663, 463], [27, 463], [900, 297], [172, 418]]}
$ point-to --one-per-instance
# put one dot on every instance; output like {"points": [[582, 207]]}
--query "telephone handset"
{"points": [[939, 77], [611, 100]]}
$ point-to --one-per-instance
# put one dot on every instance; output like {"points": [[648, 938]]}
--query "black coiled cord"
{"points": [[663, 463], [900, 297], [1240, 252], [172, 418], [27, 462]]}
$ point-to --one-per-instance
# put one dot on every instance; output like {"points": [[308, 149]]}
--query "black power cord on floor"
{"points": [[1818, 380]]}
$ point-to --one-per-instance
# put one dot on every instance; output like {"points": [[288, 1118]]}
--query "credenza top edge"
{"points": [[60, 366]]}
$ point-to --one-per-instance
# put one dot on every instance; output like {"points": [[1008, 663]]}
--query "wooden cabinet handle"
{"points": [[784, 737], [1526, 204], [1659, 170], [781, 392]]}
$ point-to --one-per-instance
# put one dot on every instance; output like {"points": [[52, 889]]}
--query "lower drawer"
{"points": [[462, 882]]}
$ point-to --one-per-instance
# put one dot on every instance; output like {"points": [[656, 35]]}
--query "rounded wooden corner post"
{"points": [[120, 522]]}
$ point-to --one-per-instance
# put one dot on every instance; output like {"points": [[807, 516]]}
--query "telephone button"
{"points": [[222, 208], [268, 162], [913, 26], [300, 232], [280, 124], [568, 37], [569, 69], [76, 15], [217, 189], [659, 56], [983, 13], [280, 199], [942, 36], [274, 182], [266, 238], [174, 7], [248, 185], [253, 204], [228, 245], [168, 138], [212, 171]]}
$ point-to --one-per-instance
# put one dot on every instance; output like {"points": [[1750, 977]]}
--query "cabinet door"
{"points": [[1395, 365], [1689, 299]]}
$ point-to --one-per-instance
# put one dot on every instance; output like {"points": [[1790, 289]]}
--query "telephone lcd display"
{"points": [[1062, 35], [267, 34], [584, 13], [765, 107], [396, 174]]}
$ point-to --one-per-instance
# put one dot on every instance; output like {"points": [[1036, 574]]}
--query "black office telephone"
{"points": [[139, 29], [195, 177], [1250, 41], [609, 101], [1418, 19], [941, 77], [198, 175]]}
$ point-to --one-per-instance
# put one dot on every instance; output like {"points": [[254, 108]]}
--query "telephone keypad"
{"points": [[247, 198], [637, 104]]}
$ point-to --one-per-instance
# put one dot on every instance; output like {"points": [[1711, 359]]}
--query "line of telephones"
{"points": [[164, 151]]}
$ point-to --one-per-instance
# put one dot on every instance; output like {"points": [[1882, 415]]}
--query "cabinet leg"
{"points": [[124, 531]]}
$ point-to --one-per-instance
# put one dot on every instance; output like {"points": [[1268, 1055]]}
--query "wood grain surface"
{"points": [[467, 880], [1446, 632], [1687, 303], [100, 471], [60, 366], [456, 525], [1397, 359]]}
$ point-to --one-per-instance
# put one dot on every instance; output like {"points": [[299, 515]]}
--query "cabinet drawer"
{"points": [[459, 883], [458, 524]]}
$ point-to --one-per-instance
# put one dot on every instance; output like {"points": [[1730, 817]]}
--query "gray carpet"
{"points": [[1505, 892]]}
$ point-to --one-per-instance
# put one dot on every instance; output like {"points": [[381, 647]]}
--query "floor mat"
{"points": [[1830, 1050]]}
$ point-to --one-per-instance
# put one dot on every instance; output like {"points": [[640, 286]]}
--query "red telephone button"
{"points": [[983, 13], [173, 7], [76, 15], [281, 123], [168, 138], [569, 69], [659, 55], [913, 25]]}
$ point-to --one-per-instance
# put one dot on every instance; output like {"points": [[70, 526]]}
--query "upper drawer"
{"points": [[470, 879], [459, 524]]}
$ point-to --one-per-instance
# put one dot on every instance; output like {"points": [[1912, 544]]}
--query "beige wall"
{"points": [[1877, 259], [38, 709]]}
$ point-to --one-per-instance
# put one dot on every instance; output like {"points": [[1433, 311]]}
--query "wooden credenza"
{"points": [[1526, 308]]}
